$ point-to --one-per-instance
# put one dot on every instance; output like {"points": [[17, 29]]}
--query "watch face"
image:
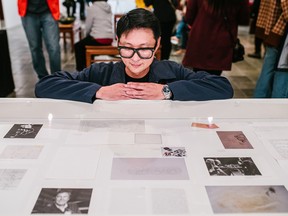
{"points": [[166, 89], [166, 92]]}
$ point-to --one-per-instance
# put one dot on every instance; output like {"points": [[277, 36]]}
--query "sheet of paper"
{"points": [[11, 178], [148, 139], [133, 126], [132, 201], [74, 163], [149, 169], [21, 152]]}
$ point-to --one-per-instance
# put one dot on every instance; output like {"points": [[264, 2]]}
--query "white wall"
{"points": [[121, 6], [11, 13]]}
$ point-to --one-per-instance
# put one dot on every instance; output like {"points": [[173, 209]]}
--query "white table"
{"points": [[110, 155]]}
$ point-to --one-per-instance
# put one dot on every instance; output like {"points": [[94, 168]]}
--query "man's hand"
{"points": [[145, 91], [113, 92], [131, 90]]}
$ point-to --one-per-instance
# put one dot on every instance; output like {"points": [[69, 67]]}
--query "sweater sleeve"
{"points": [[198, 86], [66, 86], [284, 6]]}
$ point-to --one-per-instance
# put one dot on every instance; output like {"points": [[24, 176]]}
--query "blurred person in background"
{"points": [[99, 30], [209, 45], [164, 10], [271, 26], [257, 41], [182, 30], [141, 4], [40, 21], [71, 8]]}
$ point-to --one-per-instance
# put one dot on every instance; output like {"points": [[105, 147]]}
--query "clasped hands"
{"points": [[131, 90]]}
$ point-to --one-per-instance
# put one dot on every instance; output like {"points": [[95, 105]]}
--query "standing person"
{"points": [[182, 31], [271, 27], [99, 29], [141, 4], [82, 9], [39, 20], [139, 75], [209, 45], [70, 7], [165, 12], [257, 41]]}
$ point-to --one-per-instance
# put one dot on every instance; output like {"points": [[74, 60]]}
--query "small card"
{"points": [[23, 131], [173, 152], [234, 140], [202, 125]]}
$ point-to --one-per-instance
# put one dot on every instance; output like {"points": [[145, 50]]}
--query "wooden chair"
{"points": [[71, 30], [101, 54], [106, 54]]}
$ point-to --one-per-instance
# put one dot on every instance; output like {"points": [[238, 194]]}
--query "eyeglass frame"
{"points": [[135, 50]]}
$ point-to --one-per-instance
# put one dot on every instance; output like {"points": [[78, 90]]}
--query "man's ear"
{"points": [[158, 43]]}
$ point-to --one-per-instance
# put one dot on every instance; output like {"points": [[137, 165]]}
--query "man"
{"points": [[165, 11], [139, 75], [61, 204], [39, 19], [271, 26]]}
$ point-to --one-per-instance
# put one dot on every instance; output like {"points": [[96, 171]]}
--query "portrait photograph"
{"points": [[63, 201]]}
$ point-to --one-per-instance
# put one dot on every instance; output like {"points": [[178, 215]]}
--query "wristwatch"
{"points": [[166, 92]]}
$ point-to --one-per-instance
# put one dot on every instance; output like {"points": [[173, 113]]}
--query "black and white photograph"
{"points": [[231, 166], [23, 131], [248, 199], [173, 151], [63, 201]]}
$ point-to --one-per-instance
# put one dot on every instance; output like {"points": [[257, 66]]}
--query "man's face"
{"points": [[138, 38], [62, 198]]}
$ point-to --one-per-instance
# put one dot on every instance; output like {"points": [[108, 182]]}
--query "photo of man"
{"points": [[63, 201]]}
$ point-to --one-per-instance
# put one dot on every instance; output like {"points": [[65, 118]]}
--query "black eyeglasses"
{"points": [[143, 53]]}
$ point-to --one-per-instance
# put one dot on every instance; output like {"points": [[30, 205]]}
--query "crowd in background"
{"points": [[199, 27]]}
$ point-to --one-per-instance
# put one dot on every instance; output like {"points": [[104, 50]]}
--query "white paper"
{"points": [[74, 163], [149, 169], [21, 152], [10, 178]]}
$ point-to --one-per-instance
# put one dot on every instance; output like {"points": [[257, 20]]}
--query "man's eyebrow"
{"points": [[129, 44]]}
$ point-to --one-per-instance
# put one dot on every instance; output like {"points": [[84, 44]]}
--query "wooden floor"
{"points": [[243, 75]]}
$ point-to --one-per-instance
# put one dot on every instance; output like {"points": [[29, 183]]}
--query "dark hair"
{"points": [[138, 18]]}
